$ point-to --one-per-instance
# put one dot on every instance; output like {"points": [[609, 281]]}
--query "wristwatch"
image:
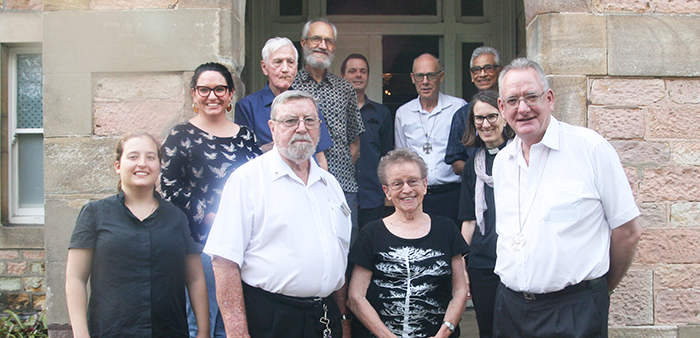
{"points": [[449, 325]]}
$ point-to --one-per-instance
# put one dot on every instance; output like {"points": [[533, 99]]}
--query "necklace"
{"points": [[427, 147], [518, 241]]}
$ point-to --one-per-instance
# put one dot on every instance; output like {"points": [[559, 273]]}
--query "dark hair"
{"points": [[353, 56], [216, 67], [119, 150], [470, 138], [400, 155]]}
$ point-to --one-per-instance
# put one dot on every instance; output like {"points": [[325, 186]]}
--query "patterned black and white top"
{"points": [[196, 167], [338, 103]]}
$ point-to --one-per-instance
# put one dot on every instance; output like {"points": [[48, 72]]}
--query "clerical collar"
{"points": [[493, 151]]}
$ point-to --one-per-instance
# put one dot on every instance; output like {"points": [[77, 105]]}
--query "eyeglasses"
{"points": [[431, 76], [398, 184], [292, 122], [492, 118], [512, 102], [316, 40], [487, 68], [204, 91]]}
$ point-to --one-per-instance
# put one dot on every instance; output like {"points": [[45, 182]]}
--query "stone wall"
{"points": [[22, 280]]}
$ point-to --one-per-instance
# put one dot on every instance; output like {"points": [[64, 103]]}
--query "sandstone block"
{"points": [[617, 123], [33, 254], [17, 302], [55, 297], [34, 284], [675, 7], [684, 91], [569, 43], [570, 104], [67, 104], [66, 5], [24, 5], [637, 6], [24, 237], [533, 8], [633, 301], [669, 246], [119, 118], [653, 215], [105, 5], [642, 332], [642, 154], [3, 268], [134, 87], [674, 37], [10, 284], [39, 302], [60, 221], [633, 178], [688, 331], [685, 214], [36, 268], [670, 184], [204, 4], [21, 26], [9, 254], [79, 165], [677, 306], [686, 153], [676, 276], [664, 121], [623, 92], [16, 268]]}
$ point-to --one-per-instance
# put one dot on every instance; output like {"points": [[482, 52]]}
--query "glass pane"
{"points": [[31, 170], [472, 7], [290, 7], [468, 88], [384, 7], [29, 89]]}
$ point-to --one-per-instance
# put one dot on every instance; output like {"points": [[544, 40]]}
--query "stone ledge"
{"points": [[22, 237], [643, 332]]}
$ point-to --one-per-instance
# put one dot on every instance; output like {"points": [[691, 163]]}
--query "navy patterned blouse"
{"points": [[196, 167]]}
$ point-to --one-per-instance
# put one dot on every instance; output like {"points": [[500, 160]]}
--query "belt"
{"points": [[300, 302], [557, 294], [443, 188]]}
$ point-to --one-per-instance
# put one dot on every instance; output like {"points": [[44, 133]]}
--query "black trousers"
{"points": [[272, 315], [365, 216], [483, 284], [443, 200], [582, 311]]}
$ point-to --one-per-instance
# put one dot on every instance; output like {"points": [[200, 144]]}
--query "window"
{"points": [[25, 137]]}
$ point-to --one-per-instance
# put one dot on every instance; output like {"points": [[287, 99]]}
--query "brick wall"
{"points": [[22, 280]]}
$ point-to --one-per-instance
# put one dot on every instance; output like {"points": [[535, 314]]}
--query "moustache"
{"points": [[300, 137], [318, 50]]}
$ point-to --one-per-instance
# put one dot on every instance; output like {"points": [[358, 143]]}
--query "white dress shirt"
{"points": [[287, 237], [573, 193], [412, 125]]}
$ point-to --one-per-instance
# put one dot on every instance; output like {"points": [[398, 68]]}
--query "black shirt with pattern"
{"points": [[411, 282], [196, 167], [137, 276], [338, 102]]}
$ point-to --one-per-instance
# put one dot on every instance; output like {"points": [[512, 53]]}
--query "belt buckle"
{"points": [[529, 296]]}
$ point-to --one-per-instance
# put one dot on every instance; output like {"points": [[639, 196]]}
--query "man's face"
{"points": [[357, 74], [529, 122], [296, 143], [483, 79], [280, 68], [319, 45], [427, 77]]}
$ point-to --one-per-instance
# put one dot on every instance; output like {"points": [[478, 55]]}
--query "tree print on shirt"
{"points": [[407, 303]]}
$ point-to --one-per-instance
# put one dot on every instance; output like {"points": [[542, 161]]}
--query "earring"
{"points": [[195, 108], [229, 107]]}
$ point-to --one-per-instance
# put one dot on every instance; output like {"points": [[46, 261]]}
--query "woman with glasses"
{"points": [[408, 279], [487, 130], [200, 155]]}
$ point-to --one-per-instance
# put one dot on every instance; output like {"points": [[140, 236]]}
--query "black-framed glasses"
{"points": [[431, 76], [492, 118], [512, 102], [398, 184], [204, 91], [487, 68], [316, 40], [293, 122]]}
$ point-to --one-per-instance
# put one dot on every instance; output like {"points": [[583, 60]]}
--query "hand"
{"points": [[469, 291], [347, 328]]}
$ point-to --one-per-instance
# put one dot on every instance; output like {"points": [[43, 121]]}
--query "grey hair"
{"points": [[289, 96], [486, 50], [523, 64], [274, 44], [400, 155], [305, 30]]}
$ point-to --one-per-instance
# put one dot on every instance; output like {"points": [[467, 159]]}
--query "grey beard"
{"points": [[315, 63], [299, 151]]}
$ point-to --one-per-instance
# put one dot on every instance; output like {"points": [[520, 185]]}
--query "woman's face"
{"points": [[405, 186], [211, 104], [490, 133], [139, 165]]}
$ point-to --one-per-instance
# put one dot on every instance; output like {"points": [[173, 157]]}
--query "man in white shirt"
{"points": [[281, 238], [565, 217], [423, 124]]}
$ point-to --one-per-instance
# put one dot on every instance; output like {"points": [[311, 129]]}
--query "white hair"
{"points": [[274, 44]]}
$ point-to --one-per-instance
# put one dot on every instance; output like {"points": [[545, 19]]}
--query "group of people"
{"points": [[275, 225]]}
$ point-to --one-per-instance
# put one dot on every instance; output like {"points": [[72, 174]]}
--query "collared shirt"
{"points": [[415, 126], [456, 151], [287, 237], [375, 142], [253, 111], [573, 193], [338, 102]]}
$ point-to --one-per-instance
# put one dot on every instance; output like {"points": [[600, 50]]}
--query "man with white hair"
{"points": [[280, 241]]}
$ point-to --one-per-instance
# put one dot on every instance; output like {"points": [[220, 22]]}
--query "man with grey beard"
{"points": [[338, 102], [280, 241]]}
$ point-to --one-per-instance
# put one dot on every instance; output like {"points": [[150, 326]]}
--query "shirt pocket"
{"points": [[341, 224], [561, 201]]}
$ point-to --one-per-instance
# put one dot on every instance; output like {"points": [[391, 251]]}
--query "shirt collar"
{"points": [[279, 168], [267, 95], [304, 76], [442, 104], [549, 140]]}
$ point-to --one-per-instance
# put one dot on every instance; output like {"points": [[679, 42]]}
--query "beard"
{"points": [[299, 151], [312, 61]]}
